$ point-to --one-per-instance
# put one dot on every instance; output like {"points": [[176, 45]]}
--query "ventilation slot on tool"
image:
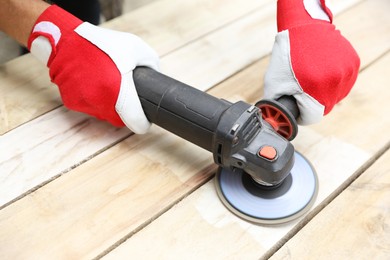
{"points": [[251, 128], [219, 154]]}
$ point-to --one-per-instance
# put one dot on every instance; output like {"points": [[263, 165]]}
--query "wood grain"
{"points": [[354, 226], [201, 213], [16, 162], [87, 210], [25, 92], [335, 159], [115, 194], [68, 154], [48, 147]]}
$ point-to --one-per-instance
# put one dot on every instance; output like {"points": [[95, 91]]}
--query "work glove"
{"points": [[93, 67], [310, 59]]}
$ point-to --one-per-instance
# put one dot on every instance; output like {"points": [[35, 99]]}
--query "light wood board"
{"points": [[40, 134], [230, 59], [336, 160], [79, 188], [189, 222], [354, 226]]}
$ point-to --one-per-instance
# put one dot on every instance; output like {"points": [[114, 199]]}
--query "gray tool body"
{"points": [[236, 134]]}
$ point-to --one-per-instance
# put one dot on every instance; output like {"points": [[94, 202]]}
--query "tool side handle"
{"points": [[183, 110]]}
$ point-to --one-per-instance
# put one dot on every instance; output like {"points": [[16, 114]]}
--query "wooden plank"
{"points": [[25, 92], [227, 58], [240, 44], [51, 145], [15, 163], [167, 26], [58, 211], [354, 226], [96, 204], [202, 212], [127, 185], [201, 227], [25, 88]]}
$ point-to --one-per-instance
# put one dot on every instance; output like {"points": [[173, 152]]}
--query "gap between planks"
{"points": [[54, 177], [301, 223], [216, 29], [173, 41], [344, 184], [314, 212], [229, 70], [209, 175], [209, 172]]}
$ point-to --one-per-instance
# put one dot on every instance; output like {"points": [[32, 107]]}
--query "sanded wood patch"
{"points": [[201, 227], [116, 193], [354, 226]]}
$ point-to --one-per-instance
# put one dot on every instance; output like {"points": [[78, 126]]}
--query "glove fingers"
{"points": [[293, 13], [145, 55], [93, 66], [128, 51], [310, 60], [280, 80], [324, 62]]}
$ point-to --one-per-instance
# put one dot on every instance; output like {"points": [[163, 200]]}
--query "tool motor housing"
{"points": [[234, 132]]}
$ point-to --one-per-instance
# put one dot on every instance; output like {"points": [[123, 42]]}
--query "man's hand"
{"points": [[93, 67], [310, 59]]}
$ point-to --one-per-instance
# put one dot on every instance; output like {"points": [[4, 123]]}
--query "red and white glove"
{"points": [[310, 59], [93, 67]]}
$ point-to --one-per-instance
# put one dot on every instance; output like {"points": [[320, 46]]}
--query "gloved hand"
{"points": [[310, 59], [93, 67]]}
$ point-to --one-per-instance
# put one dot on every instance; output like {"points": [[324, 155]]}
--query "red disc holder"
{"points": [[279, 117]]}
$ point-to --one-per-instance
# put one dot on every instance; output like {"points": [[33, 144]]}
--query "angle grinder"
{"points": [[260, 177]]}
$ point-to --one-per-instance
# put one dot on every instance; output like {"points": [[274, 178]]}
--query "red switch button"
{"points": [[268, 152]]}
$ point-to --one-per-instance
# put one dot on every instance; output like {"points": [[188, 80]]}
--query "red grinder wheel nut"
{"points": [[279, 118]]}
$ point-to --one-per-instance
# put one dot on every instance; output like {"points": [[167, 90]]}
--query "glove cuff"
{"points": [[293, 13], [53, 24]]}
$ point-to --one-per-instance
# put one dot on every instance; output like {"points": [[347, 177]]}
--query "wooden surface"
{"points": [[72, 187]]}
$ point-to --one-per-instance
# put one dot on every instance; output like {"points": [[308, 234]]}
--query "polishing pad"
{"points": [[269, 205]]}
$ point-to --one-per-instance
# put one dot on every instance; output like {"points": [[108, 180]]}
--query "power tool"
{"points": [[260, 178]]}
